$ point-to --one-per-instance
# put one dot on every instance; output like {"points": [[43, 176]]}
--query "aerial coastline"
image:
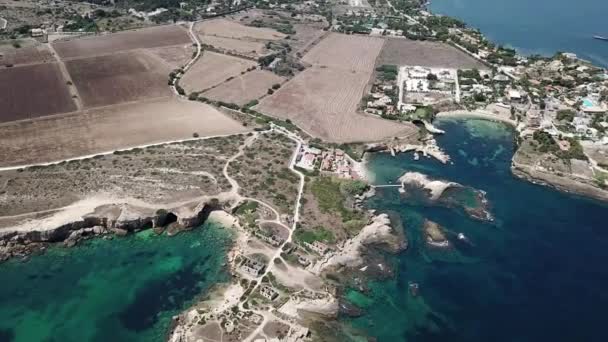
{"points": [[285, 157]]}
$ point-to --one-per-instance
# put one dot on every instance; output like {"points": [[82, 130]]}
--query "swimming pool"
{"points": [[588, 103]]}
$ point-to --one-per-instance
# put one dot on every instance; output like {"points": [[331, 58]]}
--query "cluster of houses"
{"points": [[383, 98], [334, 161], [426, 86]]}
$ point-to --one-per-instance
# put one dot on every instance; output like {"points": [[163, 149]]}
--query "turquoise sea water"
{"points": [[537, 26], [537, 273], [126, 289]]}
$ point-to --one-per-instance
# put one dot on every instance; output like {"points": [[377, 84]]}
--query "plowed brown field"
{"points": [[128, 40], [117, 78], [212, 69], [401, 51], [231, 29], [32, 91], [340, 51], [323, 99], [26, 55], [116, 127], [245, 88], [244, 47], [323, 102]]}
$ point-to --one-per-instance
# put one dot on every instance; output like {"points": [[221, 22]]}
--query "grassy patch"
{"points": [[316, 234], [331, 199]]}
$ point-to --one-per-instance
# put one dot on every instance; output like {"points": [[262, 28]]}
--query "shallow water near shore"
{"points": [[537, 273], [124, 289]]}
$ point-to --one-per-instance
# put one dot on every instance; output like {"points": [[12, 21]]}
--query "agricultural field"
{"points": [[402, 51], [33, 91], [146, 38], [109, 128], [244, 88], [347, 52], [174, 56], [116, 78], [212, 69], [306, 35], [231, 29], [323, 99], [28, 53], [246, 48]]}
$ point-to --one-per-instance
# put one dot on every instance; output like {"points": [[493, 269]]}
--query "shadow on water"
{"points": [[6, 335], [162, 295]]}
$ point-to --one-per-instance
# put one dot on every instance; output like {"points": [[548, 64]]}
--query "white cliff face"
{"points": [[436, 187], [349, 254]]}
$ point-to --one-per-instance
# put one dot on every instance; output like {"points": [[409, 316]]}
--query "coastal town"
{"points": [[275, 107]]}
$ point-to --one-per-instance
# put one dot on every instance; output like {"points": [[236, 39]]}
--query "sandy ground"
{"points": [[109, 128], [212, 69], [326, 306]]}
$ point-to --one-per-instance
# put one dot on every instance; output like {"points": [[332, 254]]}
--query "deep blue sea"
{"points": [[537, 26], [535, 274]]}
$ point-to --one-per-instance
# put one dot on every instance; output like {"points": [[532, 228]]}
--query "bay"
{"points": [[535, 274], [124, 289], [537, 27]]}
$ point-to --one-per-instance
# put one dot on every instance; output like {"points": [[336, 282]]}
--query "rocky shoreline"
{"points": [[16, 243], [564, 184]]}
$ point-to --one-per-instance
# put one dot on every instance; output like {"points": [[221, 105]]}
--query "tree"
{"points": [[431, 77], [565, 115]]}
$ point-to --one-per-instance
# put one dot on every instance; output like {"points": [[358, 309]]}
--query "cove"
{"points": [[537, 273], [124, 289], [536, 27]]}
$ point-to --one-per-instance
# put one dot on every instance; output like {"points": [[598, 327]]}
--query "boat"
{"points": [[600, 38], [461, 236], [414, 288]]}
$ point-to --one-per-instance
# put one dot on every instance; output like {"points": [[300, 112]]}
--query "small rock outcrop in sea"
{"points": [[449, 194], [434, 235]]}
